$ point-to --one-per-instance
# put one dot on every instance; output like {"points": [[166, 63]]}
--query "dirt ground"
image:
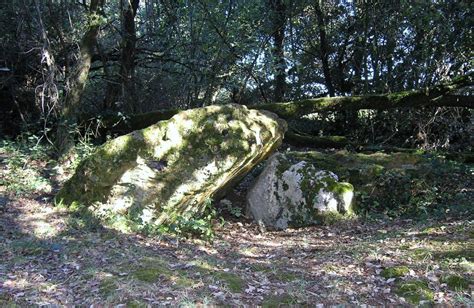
{"points": [[48, 259]]}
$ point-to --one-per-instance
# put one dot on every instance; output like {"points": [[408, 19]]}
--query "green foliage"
{"points": [[421, 192], [456, 282], [228, 207], [24, 158], [201, 227]]}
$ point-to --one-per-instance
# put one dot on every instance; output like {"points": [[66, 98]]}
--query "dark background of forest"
{"points": [[141, 56]]}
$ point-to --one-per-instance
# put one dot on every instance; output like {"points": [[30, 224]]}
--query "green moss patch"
{"points": [[286, 276], [149, 275], [422, 254], [28, 247], [414, 291], [394, 272], [260, 268], [156, 269], [231, 280], [456, 282]]}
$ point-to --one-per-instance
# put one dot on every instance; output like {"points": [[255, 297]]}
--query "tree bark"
{"points": [[324, 48], [278, 17], [127, 68], [123, 89], [78, 80], [315, 141]]}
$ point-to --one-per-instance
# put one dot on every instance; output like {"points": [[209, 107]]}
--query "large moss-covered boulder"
{"points": [[291, 193], [170, 169]]}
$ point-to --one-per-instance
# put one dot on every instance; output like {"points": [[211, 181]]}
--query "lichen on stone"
{"points": [[292, 193], [169, 170]]}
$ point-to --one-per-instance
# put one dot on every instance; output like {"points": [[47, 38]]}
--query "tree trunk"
{"points": [[122, 88], [315, 141], [324, 48], [438, 96], [278, 17], [127, 67], [77, 82]]}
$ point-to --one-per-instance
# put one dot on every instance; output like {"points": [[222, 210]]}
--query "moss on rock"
{"points": [[294, 193], [170, 169], [396, 184]]}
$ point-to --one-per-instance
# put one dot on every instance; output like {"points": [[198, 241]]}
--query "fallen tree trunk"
{"points": [[297, 109], [294, 138], [439, 96]]}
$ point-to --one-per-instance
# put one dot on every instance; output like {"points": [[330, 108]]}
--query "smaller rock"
{"points": [[296, 194]]}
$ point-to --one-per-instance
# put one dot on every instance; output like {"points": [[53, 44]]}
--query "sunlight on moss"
{"points": [[156, 269], [204, 265], [44, 229], [150, 275], [249, 251], [394, 272], [415, 291]]}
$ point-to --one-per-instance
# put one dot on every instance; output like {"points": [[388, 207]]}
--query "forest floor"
{"points": [[49, 256]]}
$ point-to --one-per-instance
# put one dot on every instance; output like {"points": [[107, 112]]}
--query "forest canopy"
{"points": [[63, 59]]}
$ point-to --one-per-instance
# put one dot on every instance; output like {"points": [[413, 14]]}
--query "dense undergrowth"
{"points": [[428, 128]]}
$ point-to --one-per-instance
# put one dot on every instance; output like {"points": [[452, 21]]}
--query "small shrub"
{"points": [[200, 227], [22, 174]]}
